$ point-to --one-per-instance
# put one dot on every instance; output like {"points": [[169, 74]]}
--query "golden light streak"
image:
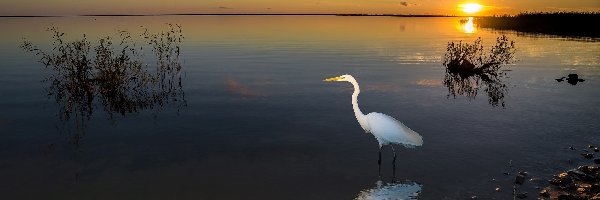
{"points": [[469, 27]]}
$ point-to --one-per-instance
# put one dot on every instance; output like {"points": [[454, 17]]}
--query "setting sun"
{"points": [[471, 8]]}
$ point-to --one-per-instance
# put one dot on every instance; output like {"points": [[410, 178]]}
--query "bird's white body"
{"points": [[386, 129]]}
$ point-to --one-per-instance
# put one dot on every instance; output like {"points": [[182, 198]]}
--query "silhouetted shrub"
{"points": [[468, 67]]}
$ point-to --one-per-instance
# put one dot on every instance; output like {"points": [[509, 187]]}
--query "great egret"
{"points": [[386, 129]]}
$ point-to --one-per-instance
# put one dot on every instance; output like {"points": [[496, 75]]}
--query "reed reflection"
{"points": [[468, 69], [112, 73]]}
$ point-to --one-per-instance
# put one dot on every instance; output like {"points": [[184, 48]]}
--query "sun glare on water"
{"points": [[469, 27], [471, 8]]}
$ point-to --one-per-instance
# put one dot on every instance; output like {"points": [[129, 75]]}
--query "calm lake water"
{"points": [[254, 120]]}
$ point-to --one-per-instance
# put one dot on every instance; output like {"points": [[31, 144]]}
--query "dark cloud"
{"points": [[404, 3]]}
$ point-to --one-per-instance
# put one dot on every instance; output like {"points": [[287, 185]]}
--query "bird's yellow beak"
{"points": [[333, 79]]}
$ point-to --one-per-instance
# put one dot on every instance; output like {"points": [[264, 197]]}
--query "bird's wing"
{"points": [[387, 129]]}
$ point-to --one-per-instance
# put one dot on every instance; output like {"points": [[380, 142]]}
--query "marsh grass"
{"points": [[469, 67], [111, 73]]}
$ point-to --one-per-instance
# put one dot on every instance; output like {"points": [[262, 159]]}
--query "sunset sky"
{"points": [[443, 7]]}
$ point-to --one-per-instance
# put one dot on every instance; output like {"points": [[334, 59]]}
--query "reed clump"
{"points": [[469, 66], [111, 72]]}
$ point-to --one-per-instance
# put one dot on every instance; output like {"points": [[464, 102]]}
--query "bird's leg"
{"points": [[379, 161], [394, 164], [394, 173], [394, 161]]}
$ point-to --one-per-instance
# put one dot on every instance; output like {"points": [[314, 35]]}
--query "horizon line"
{"points": [[255, 14]]}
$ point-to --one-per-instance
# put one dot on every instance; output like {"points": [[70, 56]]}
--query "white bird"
{"points": [[386, 129]]}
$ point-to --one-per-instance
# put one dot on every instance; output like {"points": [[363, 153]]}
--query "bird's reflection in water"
{"points": [[391, 190], [111, 74]]}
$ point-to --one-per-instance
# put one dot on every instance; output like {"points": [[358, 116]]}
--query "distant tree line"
{"points": [[568, 24]]}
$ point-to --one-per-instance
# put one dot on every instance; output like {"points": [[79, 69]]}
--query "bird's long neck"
{"points": [[359, 114]]}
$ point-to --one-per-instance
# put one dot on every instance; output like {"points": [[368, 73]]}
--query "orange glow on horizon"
{"points": [[150, 7]]}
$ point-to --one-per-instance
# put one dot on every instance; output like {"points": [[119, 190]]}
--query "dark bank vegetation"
{"points": [[469, 67], [568, 24]]}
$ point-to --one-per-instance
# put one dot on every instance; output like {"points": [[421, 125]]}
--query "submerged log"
{"points": [[464, 68]]}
